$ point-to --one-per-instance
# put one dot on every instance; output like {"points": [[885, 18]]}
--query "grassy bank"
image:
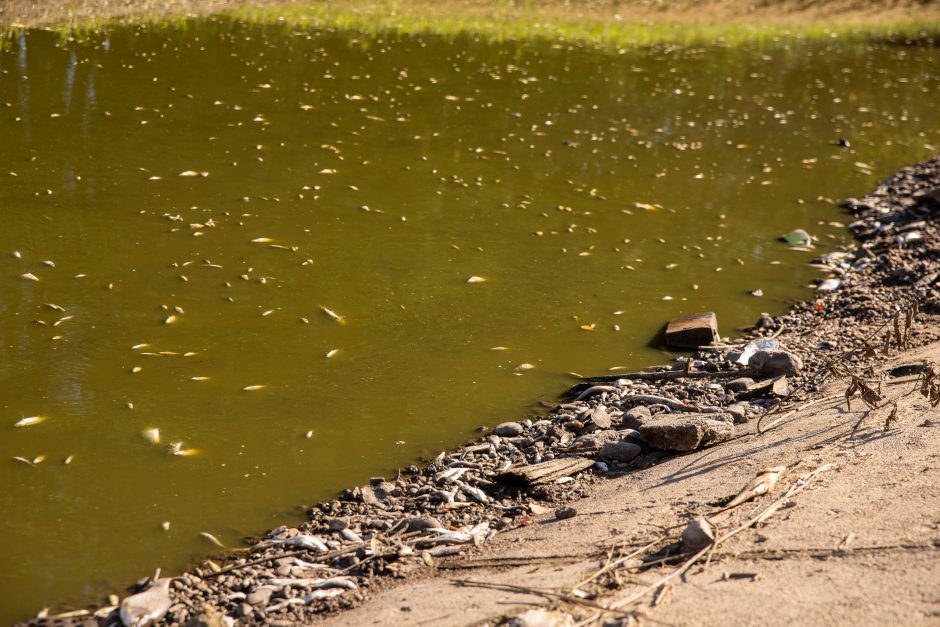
{"points": [[607, 23]]}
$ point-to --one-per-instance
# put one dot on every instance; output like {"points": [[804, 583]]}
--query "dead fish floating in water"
{"points": [[211, 538], [332, 314], [149, 606], [29, 421], [152, 435], [176, 448], [476, 279], [29, 276], [252, 388]]}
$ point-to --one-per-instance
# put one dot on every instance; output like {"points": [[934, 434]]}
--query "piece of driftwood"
{"points": [[546, 472]]}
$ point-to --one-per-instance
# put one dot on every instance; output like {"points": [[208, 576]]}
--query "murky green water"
{"points": [[585, 188]]}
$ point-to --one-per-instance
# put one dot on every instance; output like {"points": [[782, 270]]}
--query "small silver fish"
{"points": [[147, 607]]}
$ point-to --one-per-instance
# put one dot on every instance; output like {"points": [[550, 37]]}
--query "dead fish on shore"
{"points": [[764, 482], [29, 421], [149, 606], [332, 314], [305, 542]]}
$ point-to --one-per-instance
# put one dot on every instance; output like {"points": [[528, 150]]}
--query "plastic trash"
{"points": [[767, 344]]}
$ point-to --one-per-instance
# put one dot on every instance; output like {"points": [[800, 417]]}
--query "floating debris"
{"points": [[29, 421], [211, 538], [176, 448], [332, 314]]}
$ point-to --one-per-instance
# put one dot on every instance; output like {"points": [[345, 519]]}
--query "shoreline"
{"points": [[393, 531], [605, 24]]}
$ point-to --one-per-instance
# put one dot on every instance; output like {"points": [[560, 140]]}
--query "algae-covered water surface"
{"points": [[244, 267]]}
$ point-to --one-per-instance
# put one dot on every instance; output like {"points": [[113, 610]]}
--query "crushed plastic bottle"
{"points": [[767, 344]]}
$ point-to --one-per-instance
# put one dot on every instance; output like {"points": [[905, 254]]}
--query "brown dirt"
{"points": [[880, 504], [783, 12]]}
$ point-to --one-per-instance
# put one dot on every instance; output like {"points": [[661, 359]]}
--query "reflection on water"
{"points": [[191, 199]]}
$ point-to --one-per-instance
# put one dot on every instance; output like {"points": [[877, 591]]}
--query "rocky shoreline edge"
{"points": [[881, 297]]}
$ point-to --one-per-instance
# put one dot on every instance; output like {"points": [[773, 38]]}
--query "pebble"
{"points": [[565, 512], [620, 451]]}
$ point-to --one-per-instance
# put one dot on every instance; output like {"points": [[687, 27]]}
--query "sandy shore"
{"points": [[581, 513], [474, 12]]}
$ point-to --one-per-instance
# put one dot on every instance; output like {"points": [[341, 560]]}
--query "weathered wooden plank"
{"points": [[546, 472], [692, 331]]}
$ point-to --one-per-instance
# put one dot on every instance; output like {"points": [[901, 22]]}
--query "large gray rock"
{"points": [[636, 417], [687, 432], [620, 451], [509, 429], [776, 363]]}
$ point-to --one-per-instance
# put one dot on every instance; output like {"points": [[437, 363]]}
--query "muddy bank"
{"points": [[880, 300]]}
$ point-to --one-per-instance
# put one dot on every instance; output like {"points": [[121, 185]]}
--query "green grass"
{"points": [[519, 24]]}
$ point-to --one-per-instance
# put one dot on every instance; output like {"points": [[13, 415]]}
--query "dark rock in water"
{"points": [[692, 331], [740, 384], [509, 429], [687, 432], [775, 363], [620, 451], [207, 617], [635, 417]]}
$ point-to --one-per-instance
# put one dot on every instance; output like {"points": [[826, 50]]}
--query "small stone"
{"points": [[244, 610], [775, 363], [207, 617], [687, 432], [600, 417], [420, 523], [739, 412], [740, 384], [635, 417], [565, 512], [698, 534], [542, 618], [260, 596], [508, 429], [594, 440], [620, 451]]}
